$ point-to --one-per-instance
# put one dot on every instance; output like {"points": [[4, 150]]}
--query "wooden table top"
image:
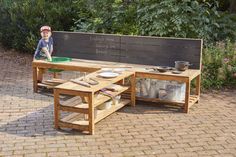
{"points": [[103, 82], [93, 65]]}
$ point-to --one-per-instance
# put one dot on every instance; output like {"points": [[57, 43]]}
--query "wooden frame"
{"points": [[96, 51], [140, 72], [70, 88], [186, 78]]}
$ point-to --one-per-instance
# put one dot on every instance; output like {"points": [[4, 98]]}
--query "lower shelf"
{"points": [[77, 121], [51, 83], [192, 100]]}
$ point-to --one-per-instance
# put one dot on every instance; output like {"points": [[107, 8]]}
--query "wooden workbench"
{"points": [[140, 72]]}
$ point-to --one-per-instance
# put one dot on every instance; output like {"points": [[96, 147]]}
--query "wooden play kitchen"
{"points": [[95, 95], [99, 51]]}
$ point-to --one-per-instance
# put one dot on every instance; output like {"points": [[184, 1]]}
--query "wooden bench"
{"points": [[95, 51]]}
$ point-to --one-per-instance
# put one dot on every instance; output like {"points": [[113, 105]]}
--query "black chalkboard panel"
{"points": [[128, 49]]}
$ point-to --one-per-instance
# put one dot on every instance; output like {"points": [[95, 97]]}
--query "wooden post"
{"points": [[40, 74], [91, 113], [133, 89], [198, 86], [35, 80], [56, 108], [55, 75], [187, 95]]}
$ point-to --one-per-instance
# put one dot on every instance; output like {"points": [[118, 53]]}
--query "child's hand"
{"points": [[45, 50]]}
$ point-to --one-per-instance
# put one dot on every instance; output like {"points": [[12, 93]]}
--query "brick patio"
{"points": [[26, 124]]}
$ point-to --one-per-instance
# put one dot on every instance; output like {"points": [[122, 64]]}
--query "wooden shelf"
{"points": [[100, 98], [74, 104], [192, 100], [106, 112], [51, 83], [56, 81], [75, 121], [49, 86], [159, 100]]}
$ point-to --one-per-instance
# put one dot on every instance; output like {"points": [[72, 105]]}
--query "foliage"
{"points": [[169, 18], [107, 16], [21, 20], [219, 65], [227, 24], [186, 18]]}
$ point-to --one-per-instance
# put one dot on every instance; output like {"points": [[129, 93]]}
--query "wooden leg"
{"points": [[187, 95], [198, 86], [55, 75], [133, 91], [91, 113], [35, 80], [40, 74], [56, 108]]}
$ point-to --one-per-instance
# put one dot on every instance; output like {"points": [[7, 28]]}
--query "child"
{"points": [[45, 44]]}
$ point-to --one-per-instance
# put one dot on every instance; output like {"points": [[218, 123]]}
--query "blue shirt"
{"points": [[42, 43]]}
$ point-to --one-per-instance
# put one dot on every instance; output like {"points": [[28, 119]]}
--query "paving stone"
{"points": [[26, 124]]}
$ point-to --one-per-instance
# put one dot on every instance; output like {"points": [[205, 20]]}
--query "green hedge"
{"points": [[219, 65], [20, 22]]}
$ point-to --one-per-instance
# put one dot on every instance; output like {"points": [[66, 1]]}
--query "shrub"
{"points": [[106, 16], [219, 65], [21, 20], [186, 19]]}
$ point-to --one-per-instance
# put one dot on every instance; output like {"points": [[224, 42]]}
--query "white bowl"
{"points": [[105, 105], [119, 70], [106, 69]]}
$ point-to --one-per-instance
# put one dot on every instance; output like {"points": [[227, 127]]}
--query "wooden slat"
{"points": [[80, 125], [193, 99], [69, 117], [45, 85], [74, 104], [79, 108], [158, 100], [74, 120], [56, 81]]}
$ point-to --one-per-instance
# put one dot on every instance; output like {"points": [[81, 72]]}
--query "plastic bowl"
{"points": [[117, 99], [55, 70], [58, 60], [106, 70]]}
